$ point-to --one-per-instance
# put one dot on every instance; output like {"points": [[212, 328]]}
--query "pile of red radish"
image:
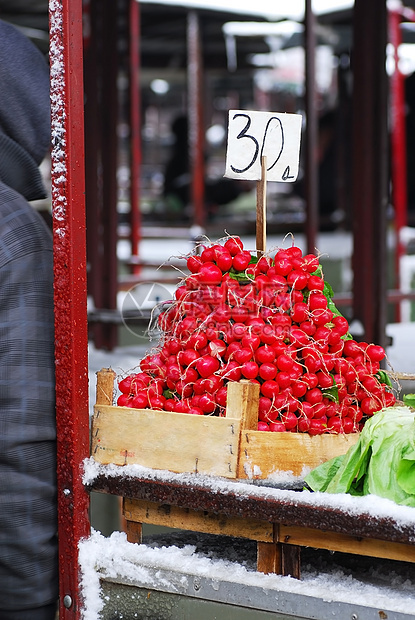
{"points": [[271, 321]]}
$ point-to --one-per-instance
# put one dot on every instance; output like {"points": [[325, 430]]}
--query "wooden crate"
{"points": [[229, 447]]}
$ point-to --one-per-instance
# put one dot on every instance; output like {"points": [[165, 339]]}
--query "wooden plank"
{"points": [[263, 454], [178, 442], [279, 558], [332, 541], [269, 558], [196, 520], [134, 532], [261, 210], [242, 403], [105, 386], [291, 560]]}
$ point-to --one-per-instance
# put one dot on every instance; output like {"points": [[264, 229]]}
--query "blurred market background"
{"points": [[347, 67]]}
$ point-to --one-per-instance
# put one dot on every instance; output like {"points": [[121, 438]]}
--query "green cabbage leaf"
{"points": [[382, 462]]}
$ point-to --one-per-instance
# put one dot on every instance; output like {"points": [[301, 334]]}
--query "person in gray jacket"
{"points": [[28, 504]]}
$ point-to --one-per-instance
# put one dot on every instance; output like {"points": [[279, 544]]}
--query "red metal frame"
{"points": [[311, 139], [71, 348], [398, 136], [369, 168], [135, 124], [195, 113], [398, 145], [68, 202]]}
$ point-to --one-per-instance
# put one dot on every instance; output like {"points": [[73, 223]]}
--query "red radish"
{"points": [[304, 425], [216, 347], [241, 260], [196, 341], [267, 371], [250, 341], [207, 365], [207, 403], [196, 411], [221, 396], [289, 420], [265, 353], [194, 263], [375, 353], [263, 426], [223, 260], [297, 279], [234, 245], [315, 283], [243, 355], [267, 321], [249, 370], [277, 427], [231, 371], [310, 262], [370, 405], [210, 273], [282, 264], [317, 427], [341, 324], [299, 312], [283, 379], [124, 400], [208, 254], [314, 396], [188, 356], [270, 388]]}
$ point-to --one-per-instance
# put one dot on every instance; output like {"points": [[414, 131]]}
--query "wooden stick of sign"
{"points": [[261, 210]]}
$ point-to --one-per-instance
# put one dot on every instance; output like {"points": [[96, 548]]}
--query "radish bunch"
{"points": [[268, 320]]}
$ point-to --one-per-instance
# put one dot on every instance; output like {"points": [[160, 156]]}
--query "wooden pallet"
{"points": [[230, 447], [278, 544]]}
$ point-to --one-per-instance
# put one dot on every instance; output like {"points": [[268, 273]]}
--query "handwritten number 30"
{"points": [[243, 134]]}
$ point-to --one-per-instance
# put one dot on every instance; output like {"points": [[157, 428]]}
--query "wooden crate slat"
{"points": [[196, 520], [162, 440], [333, 541], [230, 447], [262, 454]]}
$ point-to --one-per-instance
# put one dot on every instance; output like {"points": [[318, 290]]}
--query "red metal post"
{"points": [[93, 163], [135, 135], [398, 143], [398, 159], [109, 103], [71, 349], [196, 121], [370, 170], [311, 160]]}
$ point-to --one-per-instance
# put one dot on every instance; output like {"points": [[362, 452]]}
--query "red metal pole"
{"points": [[109, 58], [398, 139], [196, 124], [369, 168], [71, 348], [311, 165], [135, 135]]}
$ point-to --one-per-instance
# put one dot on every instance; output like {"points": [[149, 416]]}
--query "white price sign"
{"points": [[253, 135]]}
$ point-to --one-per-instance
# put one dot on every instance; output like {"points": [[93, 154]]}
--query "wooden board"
{"points": [[333, 541], [197, 520], [262, 454], [162, 440]]}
